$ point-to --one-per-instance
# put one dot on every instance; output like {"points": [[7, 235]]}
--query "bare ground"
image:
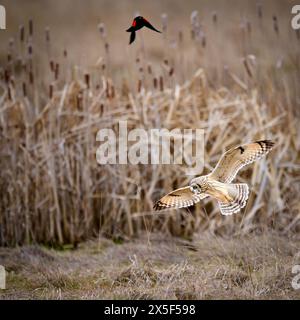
{"points": [[156, 267]]}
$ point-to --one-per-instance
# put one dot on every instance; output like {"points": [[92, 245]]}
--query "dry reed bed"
{"points": [[52, 189]]}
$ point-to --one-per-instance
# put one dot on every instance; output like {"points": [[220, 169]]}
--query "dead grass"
{"points": [[156, 267], [234, 75]]}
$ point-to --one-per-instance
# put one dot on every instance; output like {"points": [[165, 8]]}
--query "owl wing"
{"points": [[179, 198], [236, 158]]}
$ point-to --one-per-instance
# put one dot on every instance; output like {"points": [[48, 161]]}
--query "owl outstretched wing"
{"points": [[179, 198], [236, 158]]}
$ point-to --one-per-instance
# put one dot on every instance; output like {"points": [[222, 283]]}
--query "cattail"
{"points": [[22, 33], [103, 66], [192, 34], [87, 80], [31, 77], [249, 27], [79, 101], [50, 91], [180, 37], [56, 72], [65, 53], [30, 28], [9, 93], [9, 57], [47, 34], [166, 62], [106, 47], [245, 62], [107, 89], [155, 83], [149, 69], [275, 25], [101, 109], [171, 72], [52, 65], [215, 17], [24, 89], [30, 49], [139, 85], [112, 91], [141, 69], [259, 10], [161, 83], [203, 40], [6, 76]]}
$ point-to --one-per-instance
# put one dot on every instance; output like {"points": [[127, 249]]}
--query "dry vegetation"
{"points": [[235, 75], [156, 267]]}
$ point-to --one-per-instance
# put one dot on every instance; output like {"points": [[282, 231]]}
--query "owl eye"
{"points": [[195, 188]]}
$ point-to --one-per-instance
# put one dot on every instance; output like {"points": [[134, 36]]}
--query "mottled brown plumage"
{"points": [[217, 184]]}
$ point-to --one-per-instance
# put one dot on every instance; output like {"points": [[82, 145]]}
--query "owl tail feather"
{"points": [[239, 192]]}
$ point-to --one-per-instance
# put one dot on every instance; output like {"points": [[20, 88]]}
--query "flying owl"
{"points": [[232, 197]]}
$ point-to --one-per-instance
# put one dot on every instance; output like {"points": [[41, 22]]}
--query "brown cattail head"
{"points": [[215, 17], [24, 89], [171, 72], [6, 76], [30, 28], [65, 53], [30, 49], [203, 40], [112, 91], [87, 80], [259, 10], [246, 65], [155, 83], [161, 83], [180, 36], [139, 85], [9, 93], [22, 33], [275, 25], [56, 72], [52, 66], [249, 27], [47, 34], [101, 109], [51, 91], [31, 77], [149, 69]]}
